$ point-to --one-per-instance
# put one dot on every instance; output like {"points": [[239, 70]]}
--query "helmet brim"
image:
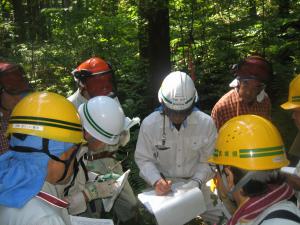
{"points": [[289, 105]]}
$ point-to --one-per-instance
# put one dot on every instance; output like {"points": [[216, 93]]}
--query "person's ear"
{"points": [[84, 92], [229, 177], [238, 84]]}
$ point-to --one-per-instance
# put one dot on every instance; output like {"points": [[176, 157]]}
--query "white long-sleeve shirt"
{"points": [[190, 148], [36, 212]]}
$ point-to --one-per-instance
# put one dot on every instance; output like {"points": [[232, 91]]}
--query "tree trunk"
{"points": [[67, 3], [155, 44], [252, 9], [283, 8], [18, 11]]}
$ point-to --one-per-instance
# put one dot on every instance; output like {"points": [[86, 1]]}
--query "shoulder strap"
{"points": [[283, 214]]}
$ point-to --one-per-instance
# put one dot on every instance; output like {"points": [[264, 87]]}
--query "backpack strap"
{"points": [[282, 214]]}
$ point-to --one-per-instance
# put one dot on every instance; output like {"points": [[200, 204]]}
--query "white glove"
{"points": [[95, 190], [190, 185]]}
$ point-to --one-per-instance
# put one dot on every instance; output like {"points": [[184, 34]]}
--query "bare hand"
{"points": [[162, 187]]}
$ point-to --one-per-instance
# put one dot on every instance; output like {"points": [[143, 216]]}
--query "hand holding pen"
{"points": [[162, 186]]}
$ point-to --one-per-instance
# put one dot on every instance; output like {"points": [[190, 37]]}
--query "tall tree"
{"points": [[157, 50], [18, 12], [67, 3], [283, 7], [252, 8]]}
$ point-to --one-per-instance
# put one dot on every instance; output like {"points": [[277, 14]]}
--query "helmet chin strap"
{"points": [[241, 183], [249, 175], [45, 150]]}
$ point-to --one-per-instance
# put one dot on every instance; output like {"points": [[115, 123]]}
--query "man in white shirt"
{"points": [[176, 141]]}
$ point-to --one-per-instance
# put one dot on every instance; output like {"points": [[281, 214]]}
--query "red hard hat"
{"points": [[91, 67], [12, 78], [97, 76], [254, 67]]}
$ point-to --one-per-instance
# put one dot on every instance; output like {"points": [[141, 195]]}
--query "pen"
{"points": [[163, 177]]}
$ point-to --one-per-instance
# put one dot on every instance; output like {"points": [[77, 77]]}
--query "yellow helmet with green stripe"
{"points": [[249, 142], [47, 115], [294, 94]]}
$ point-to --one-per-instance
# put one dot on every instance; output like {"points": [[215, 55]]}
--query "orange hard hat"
{"points": [[97, 76], [91, 67]]}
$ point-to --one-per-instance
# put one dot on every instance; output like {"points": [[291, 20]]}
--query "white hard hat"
{"points": [[177, 91], [103, 118]]}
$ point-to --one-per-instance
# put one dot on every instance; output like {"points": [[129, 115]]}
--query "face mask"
{"points": [[260, 97], [99, 85]]}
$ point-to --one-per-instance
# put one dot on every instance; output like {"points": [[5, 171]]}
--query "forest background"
{"points": [[144, 40]]}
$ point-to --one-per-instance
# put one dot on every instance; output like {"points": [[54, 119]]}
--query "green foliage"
{"points": [[212, 34]]}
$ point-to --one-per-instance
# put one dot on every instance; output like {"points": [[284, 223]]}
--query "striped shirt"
{"points": [[230, 105]]}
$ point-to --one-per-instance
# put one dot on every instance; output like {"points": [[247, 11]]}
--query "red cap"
{"points": [[254, 67], [12, 78]]}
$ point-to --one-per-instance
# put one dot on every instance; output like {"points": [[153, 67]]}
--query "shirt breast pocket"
{"points": [[195, 144]]}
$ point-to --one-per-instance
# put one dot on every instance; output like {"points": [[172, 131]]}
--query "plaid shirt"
{"points": [[3, 126], [230, 106]]}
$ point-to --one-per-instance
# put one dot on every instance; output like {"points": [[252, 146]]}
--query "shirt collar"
{"points": [[184, 124]]}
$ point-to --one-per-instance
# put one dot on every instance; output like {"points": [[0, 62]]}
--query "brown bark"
{"points": [[155, 44], [18, 12]]}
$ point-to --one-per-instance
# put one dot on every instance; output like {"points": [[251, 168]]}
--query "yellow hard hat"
{"points": [[47, 115], [249, 142], [294, 94]]}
